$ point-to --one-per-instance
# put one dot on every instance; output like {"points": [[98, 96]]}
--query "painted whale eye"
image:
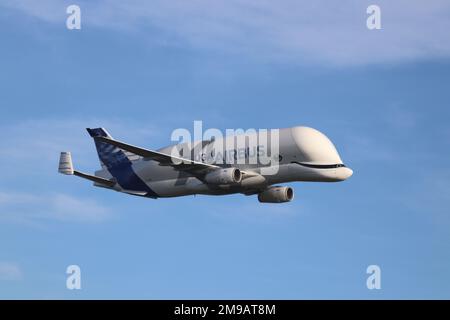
{"points": [[280, 158]]}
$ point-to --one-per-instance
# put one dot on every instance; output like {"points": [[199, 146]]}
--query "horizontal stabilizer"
{"points": [[66, 167], [105, 182]]}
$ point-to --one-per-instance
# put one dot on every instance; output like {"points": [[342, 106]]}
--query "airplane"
{"points": [[305, 154]]}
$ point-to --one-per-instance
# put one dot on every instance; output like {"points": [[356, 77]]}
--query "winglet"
{"points": [[65, 163]]}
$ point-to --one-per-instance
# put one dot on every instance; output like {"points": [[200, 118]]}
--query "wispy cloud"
{"points": [[10, 271], [295, 31], [32, 208]]}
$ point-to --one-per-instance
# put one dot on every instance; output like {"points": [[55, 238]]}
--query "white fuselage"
{"points": [[303, 154]]}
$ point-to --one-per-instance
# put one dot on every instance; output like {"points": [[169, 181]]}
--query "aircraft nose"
{"points": [[344, 173], [347, 173]]}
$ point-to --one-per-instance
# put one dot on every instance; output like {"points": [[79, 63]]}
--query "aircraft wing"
{"points": [[163, 158]]}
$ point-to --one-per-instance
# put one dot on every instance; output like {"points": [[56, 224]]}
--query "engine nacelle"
{"points": [[224, 176], [276, 194]]}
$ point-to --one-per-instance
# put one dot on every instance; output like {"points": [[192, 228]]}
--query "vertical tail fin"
{"points": [[98, 132], [109, 155]]}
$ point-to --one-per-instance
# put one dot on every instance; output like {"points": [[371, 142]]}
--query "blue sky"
{"points": [[144, 69]]}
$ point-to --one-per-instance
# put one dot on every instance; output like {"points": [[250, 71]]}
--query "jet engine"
{"points": [[276, 194], [224, 176]]}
